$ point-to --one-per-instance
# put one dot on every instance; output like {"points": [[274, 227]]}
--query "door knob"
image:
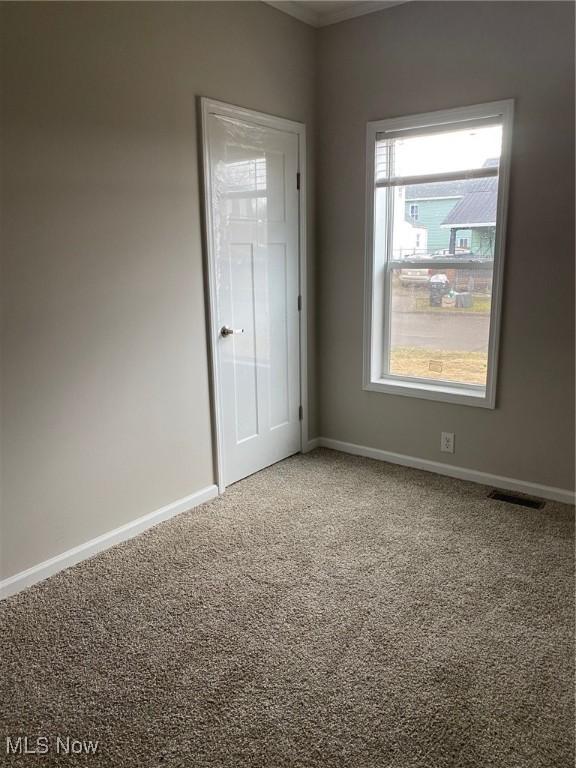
{"points": [[226, 331]]}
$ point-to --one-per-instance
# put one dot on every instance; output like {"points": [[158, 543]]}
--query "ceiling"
{"points": [[321, 13]]}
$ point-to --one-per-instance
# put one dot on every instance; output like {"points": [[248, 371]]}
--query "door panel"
{"points": [[243, 352], [253, 202], [279, 352]]}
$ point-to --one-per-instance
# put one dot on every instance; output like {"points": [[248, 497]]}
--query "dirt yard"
{"points": [[463, 367]]}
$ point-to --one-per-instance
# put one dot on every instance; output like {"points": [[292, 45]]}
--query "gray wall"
{"points": [[421, 57], [106, 399]]}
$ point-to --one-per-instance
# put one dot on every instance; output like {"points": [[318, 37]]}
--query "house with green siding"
{"points": [[428, 205], [475, 213], [457, 215]]}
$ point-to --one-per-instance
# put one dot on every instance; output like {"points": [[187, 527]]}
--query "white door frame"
{"points": [[209, 107]]}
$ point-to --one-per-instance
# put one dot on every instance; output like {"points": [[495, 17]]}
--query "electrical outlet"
{"points": [[447, 442]]}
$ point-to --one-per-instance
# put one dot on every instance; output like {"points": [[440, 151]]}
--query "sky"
{"points": [[457, 150]]}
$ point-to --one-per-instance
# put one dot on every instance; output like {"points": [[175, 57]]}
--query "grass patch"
{"points": [[463, 367]]}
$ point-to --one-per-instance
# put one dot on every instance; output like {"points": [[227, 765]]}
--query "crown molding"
{"points": [[308, 16], [297, 10]]}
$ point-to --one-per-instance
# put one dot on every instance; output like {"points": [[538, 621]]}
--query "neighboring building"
{"points": [[475, 213], [408, 238], [413, 240], [427, 205], [457, 215]]}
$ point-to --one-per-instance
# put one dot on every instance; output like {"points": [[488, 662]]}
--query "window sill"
{"points": [[479, 398]]}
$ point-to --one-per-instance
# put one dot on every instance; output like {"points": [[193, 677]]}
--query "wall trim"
{"points": [[461, 473], [19, 581], [311, 444], [41, 571], [300, 11]]}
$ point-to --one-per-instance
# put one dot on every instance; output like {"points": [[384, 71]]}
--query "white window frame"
{"points": [[414, 207], [376, 318]]}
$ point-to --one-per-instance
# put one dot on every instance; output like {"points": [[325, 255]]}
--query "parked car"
{"points": [[414, 276]]}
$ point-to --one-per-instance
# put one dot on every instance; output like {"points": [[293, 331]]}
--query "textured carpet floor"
{"points": [[328, 612]]}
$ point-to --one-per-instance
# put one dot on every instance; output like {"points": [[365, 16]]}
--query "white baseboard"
{"points": [[462, 473], [36, 573]]}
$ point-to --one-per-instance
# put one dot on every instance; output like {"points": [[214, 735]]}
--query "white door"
{"points": [[252, 211]]}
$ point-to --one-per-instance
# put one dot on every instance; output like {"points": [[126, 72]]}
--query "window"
{"points": [[433, 289]]}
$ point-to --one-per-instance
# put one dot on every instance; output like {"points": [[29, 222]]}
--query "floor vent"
{"points": [[511, 498]]}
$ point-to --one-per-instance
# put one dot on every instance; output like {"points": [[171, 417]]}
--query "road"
{"points": [[464, 333], [449, 330]]}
